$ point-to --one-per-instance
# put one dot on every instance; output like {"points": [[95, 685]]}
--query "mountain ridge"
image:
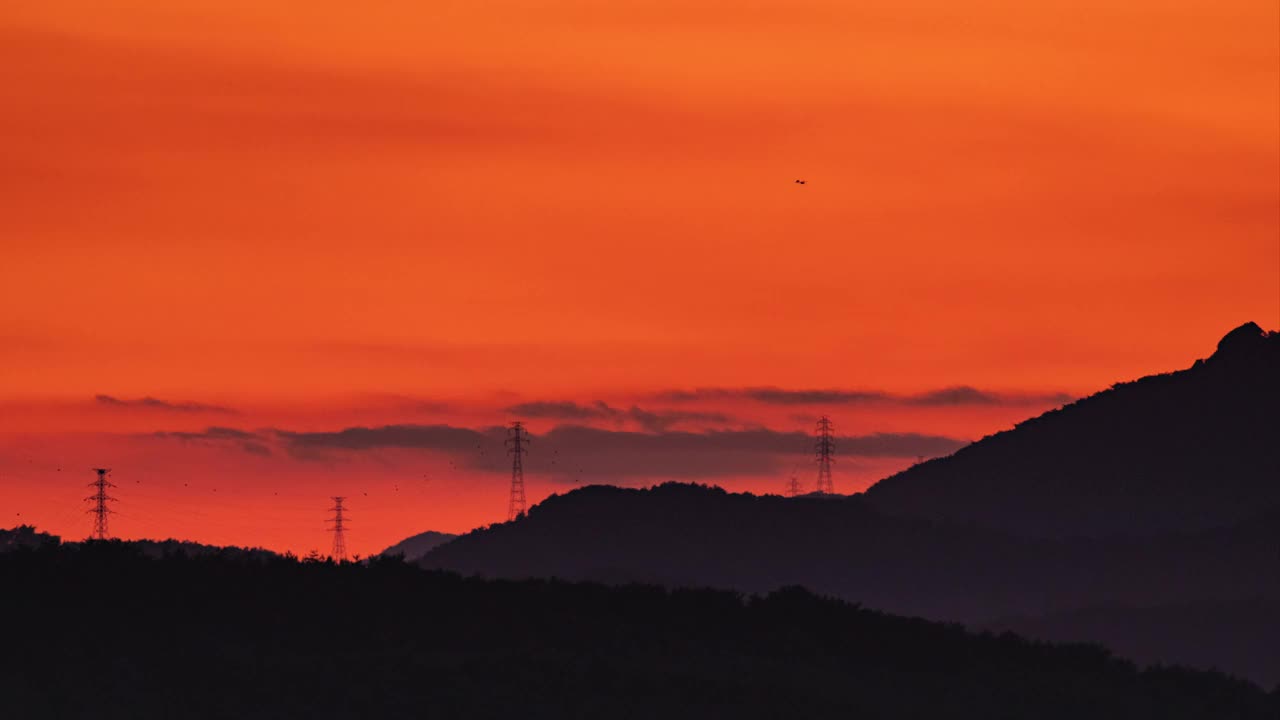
{"points": [[1189, 449]]}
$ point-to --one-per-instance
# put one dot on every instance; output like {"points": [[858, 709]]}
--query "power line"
{"points": [[100, 499], [823, 448], [516, 440], [339, 529]]}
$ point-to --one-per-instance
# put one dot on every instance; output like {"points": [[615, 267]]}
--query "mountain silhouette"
{"points": [[1192, 449], [1186, 525], [413, 548]]}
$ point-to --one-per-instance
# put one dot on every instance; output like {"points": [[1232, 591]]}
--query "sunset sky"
{"points": [[260, 253]]}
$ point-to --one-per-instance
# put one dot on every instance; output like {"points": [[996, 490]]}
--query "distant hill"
{"points": [[102, 631], [688, 535], [413, 548], [1187, 450]]}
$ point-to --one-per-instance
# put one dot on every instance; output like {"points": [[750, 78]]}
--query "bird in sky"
{"points": [[801, 182]]}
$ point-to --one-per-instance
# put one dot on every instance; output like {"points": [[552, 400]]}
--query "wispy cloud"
{"points": [[565, 410], [151, 403], [603, 453], [754, 441], [579, 451], [960, 395], [651, 420], [447, 438], [250, 442]]}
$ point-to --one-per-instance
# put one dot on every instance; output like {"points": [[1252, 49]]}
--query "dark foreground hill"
{"points": [[1240, 635], [103, 631], [1193, 449]]}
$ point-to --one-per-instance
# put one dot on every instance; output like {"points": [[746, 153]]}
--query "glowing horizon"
{"points": [[290, 223]]}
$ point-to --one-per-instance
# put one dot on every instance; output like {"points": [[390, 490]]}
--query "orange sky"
{"points": [[332, 216]]}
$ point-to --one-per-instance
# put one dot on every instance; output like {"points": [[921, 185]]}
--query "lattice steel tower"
{"points": [[339, 529], [100, 499], [517, 437], [823, 447], [793, 487]]}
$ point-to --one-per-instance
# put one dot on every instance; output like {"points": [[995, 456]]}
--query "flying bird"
{"points": [[801, 182]]}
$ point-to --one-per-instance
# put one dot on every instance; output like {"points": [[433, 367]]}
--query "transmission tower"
{"points": [[823, 447], [339, 529], [517, 437], [100, 499], [793, 487]]}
